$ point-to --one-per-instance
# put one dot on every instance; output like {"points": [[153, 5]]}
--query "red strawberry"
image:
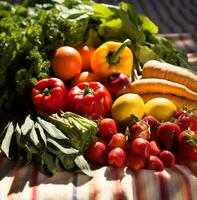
{"points": [[154, 124], [154, 148], [134, 161], [97, 153], [139, 129], [187, 147], [187, 120], [154, 163], [168, 158], [117, 157], [141, 147], [117, 140], [167, 134]]}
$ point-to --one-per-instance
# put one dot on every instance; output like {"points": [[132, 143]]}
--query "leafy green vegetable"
{"points": [[30, 32], [80, 130], [31, 138]]}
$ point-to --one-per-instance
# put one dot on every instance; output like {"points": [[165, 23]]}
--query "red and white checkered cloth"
{"points": [[177, 20]]}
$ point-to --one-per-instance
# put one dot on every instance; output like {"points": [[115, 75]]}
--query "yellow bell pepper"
{"points": [[112, 58]]}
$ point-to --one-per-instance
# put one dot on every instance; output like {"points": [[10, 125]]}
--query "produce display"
{"points": [[84, 85]]}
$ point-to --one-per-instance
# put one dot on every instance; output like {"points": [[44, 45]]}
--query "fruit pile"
{"points": [[146, 143], [133, 131], [94, 109]]}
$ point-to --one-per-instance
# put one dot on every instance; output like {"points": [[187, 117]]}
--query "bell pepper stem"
{"points": [[88, 90], [114, 57]]}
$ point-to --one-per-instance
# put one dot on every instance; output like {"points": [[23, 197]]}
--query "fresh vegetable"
{"points": [[186, 149], [123, 21], [187, 120], [33, 137], [112, 58], [162, 70], [66, 63], [49, 95], [28, 40], [107, 128], [154, 85], [141, 147], [160, 108], [90, 99], [117, 84], [116, 157], [80, 130], [177, 100], [127, 105], [168, 133], [97, 153], [85, 52], [84, 77]]}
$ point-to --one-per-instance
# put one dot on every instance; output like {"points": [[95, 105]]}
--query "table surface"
{"points": [[177, 21]]}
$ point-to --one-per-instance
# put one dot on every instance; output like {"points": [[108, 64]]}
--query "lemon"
{"points": [[161, 108], [125, 106]]}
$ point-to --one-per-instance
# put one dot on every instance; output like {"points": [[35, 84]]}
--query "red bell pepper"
{"points": [[90, 99], [49, 95]]}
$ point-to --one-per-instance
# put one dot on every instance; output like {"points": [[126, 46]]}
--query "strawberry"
{"points": [[97, 153], [154, 124], [187, 147], [117, 140], [168, 158], [167, 134], [134, 162], [154, 163], [141, 147], [139, 129], [154, 148], [187, 120], [117, 157]]}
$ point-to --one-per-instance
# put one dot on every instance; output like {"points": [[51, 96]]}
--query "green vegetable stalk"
{"points": [[81, 131]]}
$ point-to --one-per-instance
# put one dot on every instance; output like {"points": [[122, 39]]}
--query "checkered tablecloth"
{"points": [[177, 20]]}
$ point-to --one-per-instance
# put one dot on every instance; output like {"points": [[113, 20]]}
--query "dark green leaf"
{"points": [[62, 148], [83, 165], [49, 161], [67, 160]]}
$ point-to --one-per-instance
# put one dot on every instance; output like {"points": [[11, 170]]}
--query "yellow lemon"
{"points": [[125, 106], [161, 108]]}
